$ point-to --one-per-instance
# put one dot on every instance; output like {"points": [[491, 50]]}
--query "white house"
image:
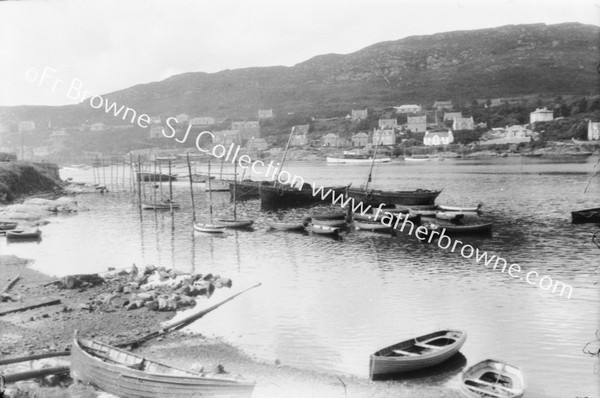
{"points": [[593, 130], [541, 115], [202, 121], [408, 108], [360, 139], [359, 114], [433, 138], [463, 123]]}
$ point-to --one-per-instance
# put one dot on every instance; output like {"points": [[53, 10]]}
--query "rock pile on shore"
{"points": [[36, 209], [154, 288]]}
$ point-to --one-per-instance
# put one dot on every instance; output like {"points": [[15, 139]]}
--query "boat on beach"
{"points": [[128, 375], [23, 234], [7, 225], [493, 379], [416, 353], [586, 216]]}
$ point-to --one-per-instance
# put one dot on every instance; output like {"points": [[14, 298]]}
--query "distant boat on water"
{"points": [[354, 159], [155, 177], [416, 159]]}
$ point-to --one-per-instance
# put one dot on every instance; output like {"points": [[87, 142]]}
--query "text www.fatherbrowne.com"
{"points": [[422, 233]]}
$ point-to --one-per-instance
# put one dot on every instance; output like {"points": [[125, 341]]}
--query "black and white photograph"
{"points": [[299, 199]]}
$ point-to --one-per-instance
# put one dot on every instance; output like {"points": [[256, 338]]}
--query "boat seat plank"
{"points": [[496, 385], [406, 353], [433, 347], [485, 392]]}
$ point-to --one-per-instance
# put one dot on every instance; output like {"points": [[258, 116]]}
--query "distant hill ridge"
{"points": [[507, 61]]}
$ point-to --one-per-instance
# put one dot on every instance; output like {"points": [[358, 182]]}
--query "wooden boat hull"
{"points": [[470, 229], [329, 223], [417, 353], [586, 216], [244, 190], [121, 377], [160, 206], [376, 197], [284, 196], [286, 226], [23, 234], [417, 160], [491, 378], [235, 224], [6, 225], [372, 226], [335, 160], [449, 215], [460, 209], [336, 215], [209, 228], [155, 177], [323, 229], [217, 186]]}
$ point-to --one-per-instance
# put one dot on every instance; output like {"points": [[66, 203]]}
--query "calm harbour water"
{"points": [[327, 304]]}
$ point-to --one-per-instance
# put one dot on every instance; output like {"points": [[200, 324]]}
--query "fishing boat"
{"points": [[165, 204], [23, 234], [416, 353], [209, 227], [128, 375], [586, 216], [7, 225], [245, 190], [330, 215], [467, 229], [155, 177], [449, 215], [286, 226], [493, 379], [281, 196], [323, 229], [372, 226], [460, 208]]}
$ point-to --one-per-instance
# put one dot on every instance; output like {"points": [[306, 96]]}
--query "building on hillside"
{"points": [[541, 115], [257, 144], [593, 131], [388, 123], [442, 105], [227, 137], [155, 120], [384, 137], [408, 109], [360, 139], [450, 116], [98, 127], [265, 113], [299, 135], [182, 118], [156, 131], [332, 140], [27, 125], [463, 123], [434, 138], [515, 134], [359, 114], [202, 121], [417, 124], [247, 129]]}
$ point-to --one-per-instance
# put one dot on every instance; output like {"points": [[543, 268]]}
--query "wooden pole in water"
{"points": [[111, 174], [191, 188], [131, 184], [209, 195], [170, 188], [234, 191], [139, 182], [154, 185], [160, 180]]}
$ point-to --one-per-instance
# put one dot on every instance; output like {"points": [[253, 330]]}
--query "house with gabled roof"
{"points": [[434, 138]]}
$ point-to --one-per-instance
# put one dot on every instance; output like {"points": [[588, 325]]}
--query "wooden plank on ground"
{"points": [[30, 307]]}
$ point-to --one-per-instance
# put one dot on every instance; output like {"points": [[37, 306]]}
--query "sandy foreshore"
{"points": [[49, 329]]}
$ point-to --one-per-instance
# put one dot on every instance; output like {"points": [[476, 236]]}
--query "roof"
{"points": [[330, 135], [438, 133], [543, 110], [360, 135]]}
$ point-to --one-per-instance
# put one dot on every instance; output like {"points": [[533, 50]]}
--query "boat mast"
{"points": [[234, 190], [210, 209], [372, 164], [284, 155]]}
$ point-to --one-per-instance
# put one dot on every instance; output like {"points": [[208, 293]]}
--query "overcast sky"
{"points": [[114, 44]]}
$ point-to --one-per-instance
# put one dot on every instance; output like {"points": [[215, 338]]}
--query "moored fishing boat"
{"points": [[372, 226], [484, 228], [162, 205], [155, 177], [217, 186], [281, 196], [245, 190], [234, 224], [461, 208], [323, 229], [374, 197], [286, 226], [586, 216], [23, 234], [128, 375], [329, 222], [492, 378], [209, 228], [416, 353], [449, 215], [347, 159]]}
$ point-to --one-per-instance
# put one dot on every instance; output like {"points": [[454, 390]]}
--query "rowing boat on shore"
{"points": [[128, 375], [23, 234], [493, 379], [416, 353]]}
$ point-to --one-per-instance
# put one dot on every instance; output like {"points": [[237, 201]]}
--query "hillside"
{"points": [[514, 60]]}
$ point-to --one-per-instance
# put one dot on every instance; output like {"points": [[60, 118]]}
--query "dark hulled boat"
{"points": [[375, 197], [244, 190], [280, 196], [155, 177], [586, 216]]}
